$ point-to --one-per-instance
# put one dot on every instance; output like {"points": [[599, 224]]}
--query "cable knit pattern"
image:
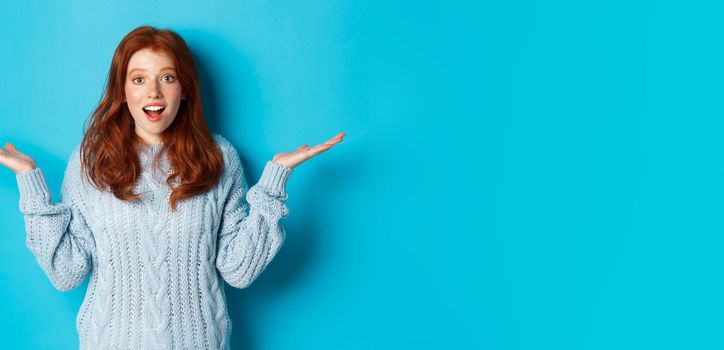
{"points": [[156, 276]]}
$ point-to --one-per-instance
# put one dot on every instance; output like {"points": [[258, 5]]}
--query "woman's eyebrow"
{"points": [[162, 69]]}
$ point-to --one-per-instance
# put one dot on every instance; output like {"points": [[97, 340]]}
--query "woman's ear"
{"points": [[183, 95]]}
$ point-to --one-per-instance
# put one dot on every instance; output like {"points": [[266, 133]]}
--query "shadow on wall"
{"points": [[298, 252]]}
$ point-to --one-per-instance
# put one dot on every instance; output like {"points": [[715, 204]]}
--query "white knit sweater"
{"points": [[156, 275]]}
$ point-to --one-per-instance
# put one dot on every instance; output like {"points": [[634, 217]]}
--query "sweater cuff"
{"points": [[32, 185], [274, 179]]}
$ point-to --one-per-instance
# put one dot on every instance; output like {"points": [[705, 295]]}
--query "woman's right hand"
{"points": [[15, 160]]}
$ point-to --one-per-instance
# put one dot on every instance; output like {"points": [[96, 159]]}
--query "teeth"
{"points": [[153, 108]]}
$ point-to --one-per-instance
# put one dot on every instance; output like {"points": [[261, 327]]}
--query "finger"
{"points": [[337, 137], [333, 141], [11, 148], [319, 149]]}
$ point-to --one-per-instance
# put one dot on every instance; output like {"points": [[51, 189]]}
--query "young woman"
{"points": [[156, 206]]}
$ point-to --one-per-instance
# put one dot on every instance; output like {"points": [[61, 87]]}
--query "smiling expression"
{"points": [[151, 82]]}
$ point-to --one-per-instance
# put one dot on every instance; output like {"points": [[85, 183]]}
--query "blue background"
{"points": [[516, 175]]}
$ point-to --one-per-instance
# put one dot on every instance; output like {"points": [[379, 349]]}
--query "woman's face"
{"points": [[151, 82]]}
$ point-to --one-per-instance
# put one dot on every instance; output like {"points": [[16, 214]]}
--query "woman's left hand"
{"points": [[296, 157]]}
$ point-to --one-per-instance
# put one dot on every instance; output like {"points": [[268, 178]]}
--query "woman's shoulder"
{"points": [[74, 173], [220, 140], [231, 156], [223, 143], [74, 159], [75, 163]]}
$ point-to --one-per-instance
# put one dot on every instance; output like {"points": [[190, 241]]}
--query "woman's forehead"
{"points": [[149, 59]]}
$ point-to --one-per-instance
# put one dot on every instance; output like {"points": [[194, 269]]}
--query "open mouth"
{"points": [[154, 112]]}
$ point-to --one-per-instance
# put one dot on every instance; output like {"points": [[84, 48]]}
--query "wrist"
{"points": [[288, 166], [274, 178], [25, 170]]}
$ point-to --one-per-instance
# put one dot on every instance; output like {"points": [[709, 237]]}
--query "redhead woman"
{"points": [[154, 207]]}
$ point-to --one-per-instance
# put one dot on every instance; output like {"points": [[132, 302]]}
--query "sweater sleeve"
{"points": [[249, 233], [57, 234]]}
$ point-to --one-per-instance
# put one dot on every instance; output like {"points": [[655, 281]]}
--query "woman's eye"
{"points": [[136, 80], [170, 78]]}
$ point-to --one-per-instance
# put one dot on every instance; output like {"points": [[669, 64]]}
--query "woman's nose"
{"points": [[154, 90]]}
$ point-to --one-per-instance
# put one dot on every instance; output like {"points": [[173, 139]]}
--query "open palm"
{"points": [[15, 160], [299, 155]]}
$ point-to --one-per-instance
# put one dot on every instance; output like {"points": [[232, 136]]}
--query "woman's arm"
{"points": [[57, 234], [249, 233]]}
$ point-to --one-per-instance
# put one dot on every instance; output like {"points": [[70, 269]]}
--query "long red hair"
{"points": [[109, 149]]}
